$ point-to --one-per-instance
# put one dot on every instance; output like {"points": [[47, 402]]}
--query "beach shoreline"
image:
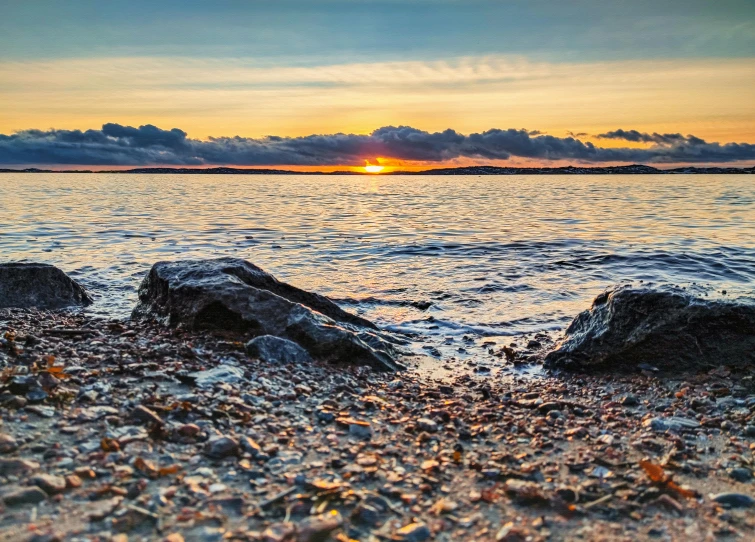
{"points": [[119, 430]]}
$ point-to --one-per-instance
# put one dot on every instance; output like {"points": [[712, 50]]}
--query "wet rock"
{"points": [[630, 400], [667, 328], [49, 484], [222, 447], [735, 500], [232, 294], [25, 495], [38, 285], [271, 349]]}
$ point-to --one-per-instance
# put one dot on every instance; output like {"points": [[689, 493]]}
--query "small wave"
{"points": [[421, 305]]}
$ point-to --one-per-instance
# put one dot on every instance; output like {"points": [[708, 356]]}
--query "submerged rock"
{"points": [[669, 329], [234, 295], [39, 286]]}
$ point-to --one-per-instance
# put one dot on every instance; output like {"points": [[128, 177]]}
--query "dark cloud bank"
{"points": [[148, 145]]}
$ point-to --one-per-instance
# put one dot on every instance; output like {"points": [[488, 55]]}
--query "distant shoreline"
{"points": [[635, 169]]}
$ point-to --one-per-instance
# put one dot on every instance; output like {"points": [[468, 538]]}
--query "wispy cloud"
{"points": [[249, 97], [118, 145]]}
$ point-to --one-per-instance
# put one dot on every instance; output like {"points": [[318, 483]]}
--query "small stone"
{"points": [[16, 467], [414, 532], [749, 431], [524, 491], [741, 474], [359, 429], [49, 484], [250, 446], [318, 528], [189, 430], [326, 416], [7, 444], [222, 447], [426, 424], [73, 481], [734, 500], [99, 510], [279, 532], [223, 374], [662, 425], [26, 495], [145, 415], [630, 400], [86, 473]]}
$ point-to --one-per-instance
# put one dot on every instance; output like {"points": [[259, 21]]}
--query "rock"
{"points": [[8, 444], [25, 495], [145, 415], [234, 295], [22, 384], [741, 474], [667, 328], [673, 423], [734, 500], [360, 430], [271, 349], [250, 446], [279, 532], [630, 400], [15, 467], [40, 286], [525, 491], [318, 528], [99, 510], [49, 484], [426, 424], [414, 532], [222, 447], [222, 374]]}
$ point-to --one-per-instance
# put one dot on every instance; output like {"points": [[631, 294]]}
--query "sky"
{"points": [[407, 84]]}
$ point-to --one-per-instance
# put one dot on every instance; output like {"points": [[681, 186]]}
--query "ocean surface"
{"points": [[450, 260]]}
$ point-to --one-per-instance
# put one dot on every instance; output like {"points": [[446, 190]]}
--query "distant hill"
{"points": [[635, 169]]}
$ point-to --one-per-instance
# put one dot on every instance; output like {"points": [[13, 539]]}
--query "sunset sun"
{"points": [[373, 168]]}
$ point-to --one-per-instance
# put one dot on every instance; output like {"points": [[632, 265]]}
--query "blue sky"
{"points": [[349, 30]]}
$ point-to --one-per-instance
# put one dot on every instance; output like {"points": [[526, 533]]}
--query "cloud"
{"points": [[644, 137], [118, 145]]}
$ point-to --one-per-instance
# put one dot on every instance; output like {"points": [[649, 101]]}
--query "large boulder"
{"points": [[39, 286], [668, 329], [234, 295]]}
